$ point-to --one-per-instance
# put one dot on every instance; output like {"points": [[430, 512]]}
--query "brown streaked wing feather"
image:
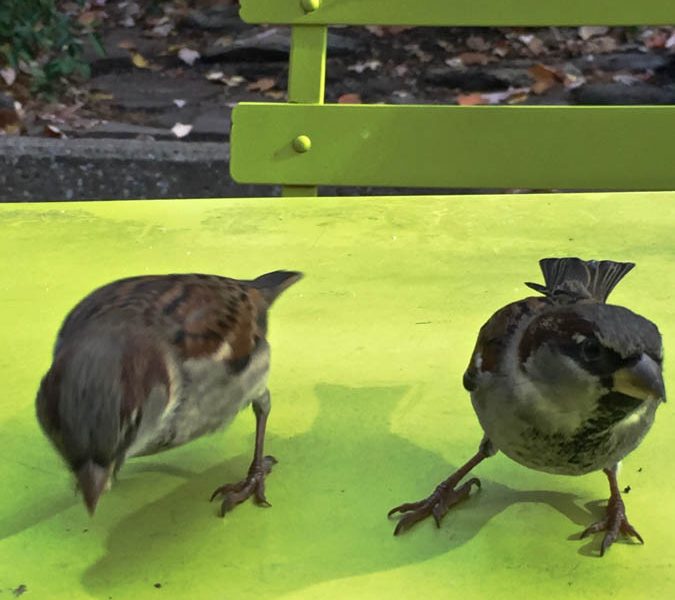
{"points": [[213, 318], [127, 299], [195, 313], [494, 335]]}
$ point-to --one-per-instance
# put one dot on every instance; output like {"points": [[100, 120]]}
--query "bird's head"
{"points": [[80, 407], [606, 349]]}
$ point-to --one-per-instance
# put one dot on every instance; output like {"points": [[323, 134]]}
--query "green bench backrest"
{"points": [[305, 143]]}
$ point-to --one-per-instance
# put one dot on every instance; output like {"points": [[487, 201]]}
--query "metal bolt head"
{"points": [[310, 5], [302, 143]]}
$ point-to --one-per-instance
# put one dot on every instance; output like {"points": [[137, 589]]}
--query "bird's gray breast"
{"points": [[206, 395], [601, 434]]}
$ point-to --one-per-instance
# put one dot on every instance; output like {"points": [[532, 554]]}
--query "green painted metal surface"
{"points": [[462, 12], [440, 146], [368, 406], [307, 66], [306, 77]]}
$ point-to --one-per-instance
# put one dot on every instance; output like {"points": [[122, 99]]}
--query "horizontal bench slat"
{"points": [[463, 12], [542, 147]]}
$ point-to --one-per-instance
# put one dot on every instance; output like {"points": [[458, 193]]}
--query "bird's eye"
{"points": [[591, 349]]}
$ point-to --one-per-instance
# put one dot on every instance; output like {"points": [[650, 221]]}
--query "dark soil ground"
{"points": [[173, 70]]}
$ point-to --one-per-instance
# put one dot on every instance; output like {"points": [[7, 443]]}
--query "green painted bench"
{"points": [[305, 143]]}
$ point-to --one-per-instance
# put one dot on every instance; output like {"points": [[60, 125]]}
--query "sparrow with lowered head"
{"points": [[148, 363], [563, 383]]}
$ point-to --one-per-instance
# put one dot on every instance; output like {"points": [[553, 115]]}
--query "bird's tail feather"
{"points": [[272, 284], [573, 276]]}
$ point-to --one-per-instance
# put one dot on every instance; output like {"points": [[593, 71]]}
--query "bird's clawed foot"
{"points": [[444, 497], [253, 485], [614, 522]]}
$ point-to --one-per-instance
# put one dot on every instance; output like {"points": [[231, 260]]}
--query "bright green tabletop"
{"points": [[368, 409]]}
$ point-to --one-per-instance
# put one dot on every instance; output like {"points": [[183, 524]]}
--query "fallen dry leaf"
{"points": [[350, 98], [161, 30], [473, 58], [470, 99], [396, 29], [511, 96], [536, 46], [586, 32], [11, 129], [233, 80], [518, 97], [657, 39], [127, 45], [420, 54], [224, 41], [477, 43], [381, 31], [88, 17], [139, 60], [602, 45], [9, 75], [262, 85], [228, 80], [401, 70], [370, 65], [455, 62], [276, 94], [180, 130], [188, 55], [8, 118], [627, 78], [100, 96], [501, 49], [544, 78], [53, 131]]}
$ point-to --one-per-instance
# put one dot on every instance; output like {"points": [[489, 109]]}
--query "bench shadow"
{"points": [[330, 494]]}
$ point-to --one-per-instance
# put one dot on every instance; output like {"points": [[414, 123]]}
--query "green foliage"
{"points": [[37, 38]]}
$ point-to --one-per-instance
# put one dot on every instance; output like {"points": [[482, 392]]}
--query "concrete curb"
{"points": [[43, 170], [54, 170]]}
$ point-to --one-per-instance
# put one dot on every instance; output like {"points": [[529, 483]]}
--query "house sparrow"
{"points": [[148, 363], [563, 383]]}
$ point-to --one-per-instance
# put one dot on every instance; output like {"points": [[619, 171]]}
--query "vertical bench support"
{"points": [[306, 79]]}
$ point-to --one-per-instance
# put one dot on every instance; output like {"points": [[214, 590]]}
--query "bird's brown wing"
{"points": [[494, 336], [220, 318], [199, 315]]}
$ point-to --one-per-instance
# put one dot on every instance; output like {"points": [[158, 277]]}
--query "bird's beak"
{"points": [[93, 480], [643, 380]]}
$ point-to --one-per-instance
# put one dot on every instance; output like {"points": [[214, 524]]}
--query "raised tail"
{"points": [[578, 278], [272, 284]]}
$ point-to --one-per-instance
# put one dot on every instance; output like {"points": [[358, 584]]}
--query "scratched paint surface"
{"points": [[368, 408]]}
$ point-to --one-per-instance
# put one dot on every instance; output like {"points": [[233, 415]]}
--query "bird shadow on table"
{"points": [[330, 493]]}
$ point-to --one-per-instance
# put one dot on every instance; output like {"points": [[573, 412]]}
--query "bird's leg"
{"points": [[615, 521], [254, 483], [445, 496]]}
